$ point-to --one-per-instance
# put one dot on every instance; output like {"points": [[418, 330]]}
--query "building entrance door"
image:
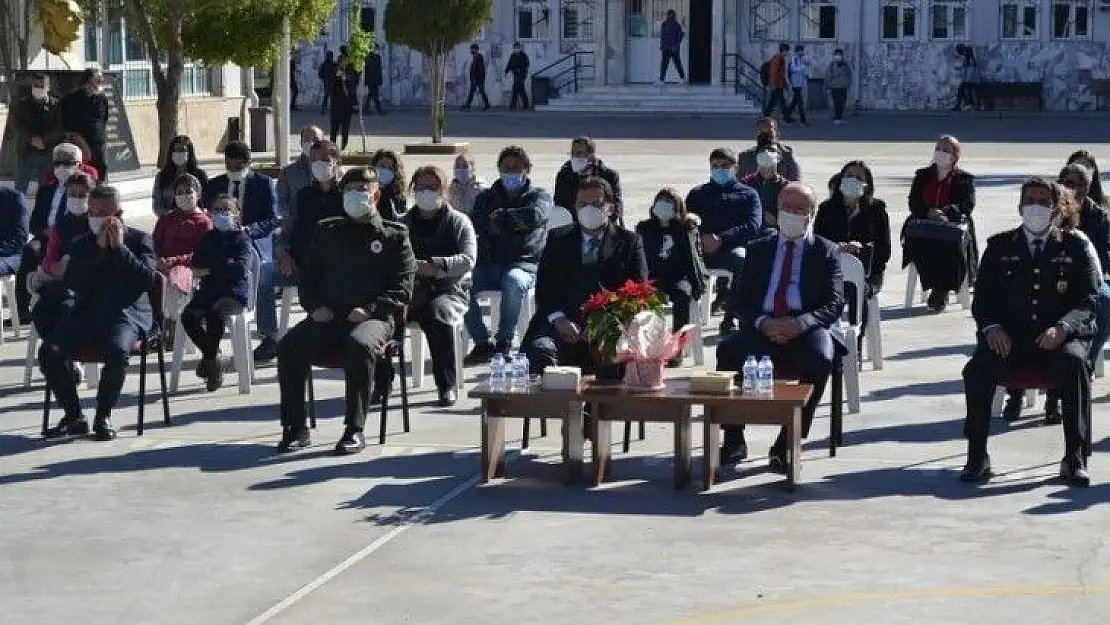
{"points": [[700, 37], [643, 19]]}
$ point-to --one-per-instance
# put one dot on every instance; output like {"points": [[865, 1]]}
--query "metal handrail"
{"points": [[576, 67], [743, 75]]}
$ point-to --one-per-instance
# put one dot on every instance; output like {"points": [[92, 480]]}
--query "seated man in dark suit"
{"points": [[596, 253], [1035, 305], [256, 193], [790, 296], [110, 273]]}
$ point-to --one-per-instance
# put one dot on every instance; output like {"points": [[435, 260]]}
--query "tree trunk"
{"points": [[169, 96], [435, 79]]}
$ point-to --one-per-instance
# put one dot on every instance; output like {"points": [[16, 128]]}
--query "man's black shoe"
{"points": [[505, 349], [1011, 411], [103, 430], [352, 442], [938, 300], [1052, 410], [778, 461], [266, 350], [1075, 473], [294, 438], [448, 397], [977, 469], [734, 454], [480, 355], [728, 326], [68, 426]]}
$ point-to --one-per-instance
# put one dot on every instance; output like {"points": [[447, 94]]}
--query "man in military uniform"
{"points": [[355, 279], [1035, 301]]}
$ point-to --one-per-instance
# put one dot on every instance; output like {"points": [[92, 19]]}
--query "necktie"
{"points": [[235, 190], [782, 302], [1038, 246], [592, 244]]}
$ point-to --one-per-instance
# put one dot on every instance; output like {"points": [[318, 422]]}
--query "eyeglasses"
{"points": [[69, 163]]}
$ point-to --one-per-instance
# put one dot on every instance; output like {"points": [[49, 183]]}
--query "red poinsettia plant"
{"points": [[608, 314]]}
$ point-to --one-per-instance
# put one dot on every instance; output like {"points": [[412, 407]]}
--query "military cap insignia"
{"points": [[376, 247], [1062, 286]]}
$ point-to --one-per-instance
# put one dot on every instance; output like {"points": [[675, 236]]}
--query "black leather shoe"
{"points": [[480, 355], [1052, 411], [352, 442], [103, 430], [734, 454], [728, 326], [938, 300], [68, 426], [294, 438], [778, 461], [1074, 473], [977, 469], [447, 397], [1011, 411], [266, 350]]}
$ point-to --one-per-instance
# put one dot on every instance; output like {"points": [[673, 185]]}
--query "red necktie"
{"points": [[782, 302]]}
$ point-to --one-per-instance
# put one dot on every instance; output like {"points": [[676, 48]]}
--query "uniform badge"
{"points": [[376, 247], [1062, 286]]}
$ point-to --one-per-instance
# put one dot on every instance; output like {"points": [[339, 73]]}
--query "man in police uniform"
{"points": [[355, 279], [1034, 307]]}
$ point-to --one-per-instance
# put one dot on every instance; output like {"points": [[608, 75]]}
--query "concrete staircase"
{"points": [[669, 98]]}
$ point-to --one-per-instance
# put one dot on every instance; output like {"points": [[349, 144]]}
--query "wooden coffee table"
{"points": [[531, 403], [782, 407]]}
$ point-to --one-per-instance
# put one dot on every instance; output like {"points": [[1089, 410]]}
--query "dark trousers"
{"points": [[327, 96], [776, 97], [56, 361], [293, 91], [55, 302], [680, 302], [519, 92], [665, 60], [544, 348], [359, 347], [1069, 368], [441, 344], [32, 258], [964, 94], [477, 86], [97, 159], [341, 125], [797, 103], [839, 99], [205, 328], [373, 95], [809, 356]]}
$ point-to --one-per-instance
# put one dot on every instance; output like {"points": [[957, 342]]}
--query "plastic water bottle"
{"points": [[520, 371], [765, 376], [750, 372], [497, 373]]}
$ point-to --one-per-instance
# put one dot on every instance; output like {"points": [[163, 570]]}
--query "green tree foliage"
{"points": [[434, 28]]}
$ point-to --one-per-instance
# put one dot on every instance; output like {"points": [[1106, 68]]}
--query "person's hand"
{"points": [[1052, 338], [358, 315], [113, 231], [999, 341], [851, 247], [426, 269], [102, 237], [773, 330], [568, 330], [286, 266], [710, 243], [936, 213], [322, 314], [37, 143], [790, 329], [60, 267]]}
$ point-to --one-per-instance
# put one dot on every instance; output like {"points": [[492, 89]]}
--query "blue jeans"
{"points": [[1103, 316], [265, 312], [32, 166], [513, 283]]}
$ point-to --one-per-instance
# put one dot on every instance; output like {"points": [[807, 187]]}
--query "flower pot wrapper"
{"points": [[646, 345]]}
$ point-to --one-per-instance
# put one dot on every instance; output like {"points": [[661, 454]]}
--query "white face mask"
{"points": [[1036, 218], [96, 224], [766, 159], [591, 217], [942, 159], [462, 174], [77, 205], [223, 222], [63, 172], [356, 204], [186, 202], [322, 170], [663, 211], [427, 201], [852, 187], [306, 148], [38, 93], [577, 164], [793, 226], [179, 158]]}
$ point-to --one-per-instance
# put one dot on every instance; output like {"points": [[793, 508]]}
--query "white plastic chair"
{"points": [[11, 310], [874, 336], [706, 301], [417, 350], [852, 269], [697, 343], [287, 295], [1100, 363], [963, 296]]}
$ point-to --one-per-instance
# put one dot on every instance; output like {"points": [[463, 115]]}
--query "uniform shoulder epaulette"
{"points": [[1001, 236], [330, 222], [395, 225]]}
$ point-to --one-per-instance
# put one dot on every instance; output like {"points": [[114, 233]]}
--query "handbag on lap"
{"points": [[934, 230]]}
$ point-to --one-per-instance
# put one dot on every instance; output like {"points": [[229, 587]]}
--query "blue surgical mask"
{"points": [[512, 182], [223, 222], [462, 174], [721, 176], [385, 176]]}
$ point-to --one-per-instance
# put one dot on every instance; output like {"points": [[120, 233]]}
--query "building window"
{"points": [[818, 19], [368, 19], [533, 19], [578, 19], [92, 42], [899, 20], [1071, 19], [949, 19], [1019, 19], [770, 20]]}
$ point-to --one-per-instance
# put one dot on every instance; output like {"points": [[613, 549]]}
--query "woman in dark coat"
{"points": [[858, 221], [180, 158], [1086, 159], [673, 250], [446, 249], [391, 181], [943, 192]]}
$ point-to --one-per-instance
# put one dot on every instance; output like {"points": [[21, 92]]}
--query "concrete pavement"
{"points": [[201, 523]]}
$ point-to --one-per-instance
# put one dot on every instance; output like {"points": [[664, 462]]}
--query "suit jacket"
{"points": [[961, 200], [259, 203], [13, 222], [821, 283], [1027, 297], [563, 283], [112, 285], [869, 227], [40, 214]]}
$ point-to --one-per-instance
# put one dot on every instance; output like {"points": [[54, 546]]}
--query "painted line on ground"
{"points": [[365, 552]]}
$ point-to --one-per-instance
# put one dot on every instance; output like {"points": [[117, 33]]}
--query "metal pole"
{"points": [[281, 97]]}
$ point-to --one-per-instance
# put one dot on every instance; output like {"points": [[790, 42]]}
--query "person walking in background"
{"points": [[796, 75], [969, 74], [775, 70], [838, 80], [518, 66], [373, 72], [85, 111], [477, 78], [326, 73], [37, 120], [670, 42], [343, 100]]}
